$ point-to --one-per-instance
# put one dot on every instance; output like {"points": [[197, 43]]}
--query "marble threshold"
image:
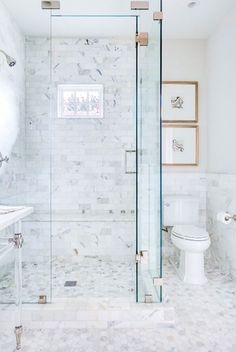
{"points": [[90, 313]]}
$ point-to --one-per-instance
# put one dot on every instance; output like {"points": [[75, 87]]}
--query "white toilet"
{"points": [[182, 213]]}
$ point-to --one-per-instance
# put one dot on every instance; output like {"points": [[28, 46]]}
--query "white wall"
{"points": [[185, 60], [221, 54], [221, 190]]}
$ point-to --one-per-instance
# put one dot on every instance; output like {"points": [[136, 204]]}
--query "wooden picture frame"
{"points": [[180, 102], [180, 145]]}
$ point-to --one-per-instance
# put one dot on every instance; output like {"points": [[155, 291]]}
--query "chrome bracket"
{"points": [[139, 5], [158, 281], [142, 39], [18, 240], [18, 333], [51, 5], [158, 16], [148, 298]]}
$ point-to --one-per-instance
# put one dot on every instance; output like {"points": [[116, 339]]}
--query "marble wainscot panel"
{"points": [[221, 196], [186, 184]]}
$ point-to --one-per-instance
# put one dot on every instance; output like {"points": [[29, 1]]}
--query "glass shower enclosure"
{"points": [[92, 166]]}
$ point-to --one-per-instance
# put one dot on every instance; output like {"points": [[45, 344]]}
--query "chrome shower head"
{"points": [[10, 60]]}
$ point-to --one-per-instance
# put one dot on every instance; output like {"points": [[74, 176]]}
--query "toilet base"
{"points": [[191, 268]]}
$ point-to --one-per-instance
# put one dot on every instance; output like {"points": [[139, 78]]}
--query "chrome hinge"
{"points": [[17, 240], [51, 5], [141, 256], [158, 281], [142, 39], [139, 5], [158, 16], [42, 299]]}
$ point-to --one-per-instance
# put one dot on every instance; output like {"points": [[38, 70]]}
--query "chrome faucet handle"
{"points": [[2, 159], [230, 217]]}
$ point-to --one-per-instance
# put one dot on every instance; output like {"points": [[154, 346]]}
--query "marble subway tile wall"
{"points": [[221, 196], [93, 198], [38, 124], [187, 184], [12, 110]]}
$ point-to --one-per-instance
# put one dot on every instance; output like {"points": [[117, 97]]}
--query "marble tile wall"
{"points": [[93, 198], [187, 184], [221, 196], [190, 184]]}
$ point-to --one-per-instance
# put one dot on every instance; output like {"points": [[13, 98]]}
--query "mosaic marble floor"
{"points": [[95, 277], [205, 322]]}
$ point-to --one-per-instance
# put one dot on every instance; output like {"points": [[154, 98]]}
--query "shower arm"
{"points": [[3, 52], [10, 60]]}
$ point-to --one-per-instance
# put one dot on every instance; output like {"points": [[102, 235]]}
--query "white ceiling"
{"points": [[179, 21], [198, 22]]}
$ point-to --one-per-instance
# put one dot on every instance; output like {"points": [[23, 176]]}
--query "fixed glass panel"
{"points": [[37, 227], [93, 61], [149, 167], [25, 178]]}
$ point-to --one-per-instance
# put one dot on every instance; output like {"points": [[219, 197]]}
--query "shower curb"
{"points": [[96, 315]]}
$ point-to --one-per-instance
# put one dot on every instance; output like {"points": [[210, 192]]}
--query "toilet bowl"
{"points": [[181, 213], [192, 241]]}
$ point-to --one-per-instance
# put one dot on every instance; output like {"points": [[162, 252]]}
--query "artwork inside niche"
{"points": [[180, 145], [180, 101], [80, 101]]}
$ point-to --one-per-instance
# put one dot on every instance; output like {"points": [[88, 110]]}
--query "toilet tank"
{"points": [[181, 210]]}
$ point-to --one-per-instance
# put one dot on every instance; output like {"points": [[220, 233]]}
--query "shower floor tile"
{"points": [[94, 276]]}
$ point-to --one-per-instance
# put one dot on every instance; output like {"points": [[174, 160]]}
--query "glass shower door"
{"points": [[149, 213], [93, 68], [93, 160]]}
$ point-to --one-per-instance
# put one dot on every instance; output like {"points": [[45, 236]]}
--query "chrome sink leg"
{"points": [[18, 333], [18, 240]]}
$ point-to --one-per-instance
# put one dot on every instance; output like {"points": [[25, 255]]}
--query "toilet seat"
{"points": [[190, 233]]}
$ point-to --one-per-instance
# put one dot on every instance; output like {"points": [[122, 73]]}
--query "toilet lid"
{"points": [[189, 232]]}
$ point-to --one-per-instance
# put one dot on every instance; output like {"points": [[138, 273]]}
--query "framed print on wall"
{"points": [[180, 145], [180, 101]]}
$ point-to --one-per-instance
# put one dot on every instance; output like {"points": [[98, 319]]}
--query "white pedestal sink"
{"points": [[13, 216]]}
